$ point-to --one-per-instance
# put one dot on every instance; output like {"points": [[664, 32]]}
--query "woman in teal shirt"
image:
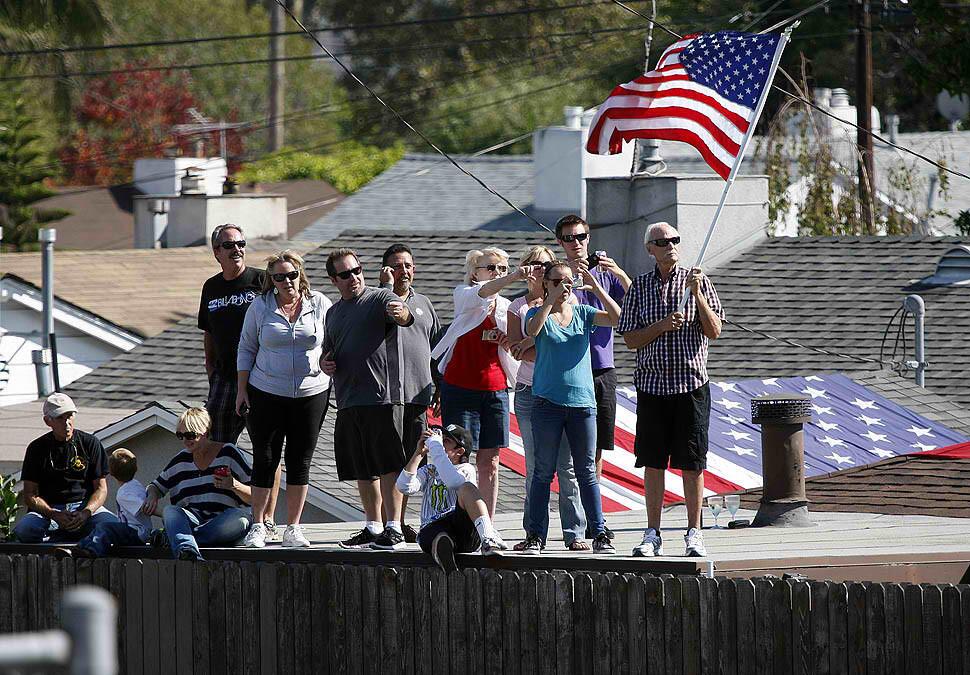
{"points": [[564, 400]]}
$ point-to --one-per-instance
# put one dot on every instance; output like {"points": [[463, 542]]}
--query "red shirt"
{"points": [[474, 363]]}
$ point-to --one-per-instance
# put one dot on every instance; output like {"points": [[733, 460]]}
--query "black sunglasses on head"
{"points": [[664, 242], [228, 245], [570, 238], [493, 268], [346, 274], [292, 275], [186, 435]]}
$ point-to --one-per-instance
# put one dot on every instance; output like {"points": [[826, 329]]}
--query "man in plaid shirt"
{"points": [[673, 392]]}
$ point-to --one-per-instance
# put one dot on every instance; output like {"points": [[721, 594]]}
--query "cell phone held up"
{"points": [[594, 259], [221, 471]]}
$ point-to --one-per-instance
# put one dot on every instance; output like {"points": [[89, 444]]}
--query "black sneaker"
{"points": [[410, 536], [362, 539], [389, 540], [607, 530], [189, 554], [532, 545], [443, 552], [158, 539], [602, 544]]}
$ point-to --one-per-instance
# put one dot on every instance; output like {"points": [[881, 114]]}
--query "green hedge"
{"points": [[348, 168]]}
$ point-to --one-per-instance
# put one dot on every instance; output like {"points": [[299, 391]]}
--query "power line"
{"points": [[327, 29], [314, 57]]}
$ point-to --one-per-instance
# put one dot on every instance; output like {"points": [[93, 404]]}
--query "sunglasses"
{"points": [[283, 276], [346, 274], [186, 435], [229, 245], [493, 268], [556, 282], [570, 238], [664, 242]]}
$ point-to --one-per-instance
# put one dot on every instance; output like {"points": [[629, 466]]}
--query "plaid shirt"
{"points": [[676, 362]]}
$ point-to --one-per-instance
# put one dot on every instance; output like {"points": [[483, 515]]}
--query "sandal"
{"points": [[577, 545]]}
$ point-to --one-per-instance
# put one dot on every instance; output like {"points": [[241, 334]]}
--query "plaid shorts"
{"points": [[221, 404]]}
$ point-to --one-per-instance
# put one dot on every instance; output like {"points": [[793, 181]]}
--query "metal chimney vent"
{"points": [[952, 270]]}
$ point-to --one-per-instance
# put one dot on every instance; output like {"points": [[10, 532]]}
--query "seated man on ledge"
{"points": [[454, 517], [64, 480]]}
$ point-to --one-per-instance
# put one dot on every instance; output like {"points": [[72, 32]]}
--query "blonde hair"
{"points": [[292, 257], [473, 256], [530, 253], [196, 420], [123, 465]]}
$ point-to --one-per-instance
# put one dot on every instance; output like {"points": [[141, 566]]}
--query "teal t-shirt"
{"points": [[563, 372]]}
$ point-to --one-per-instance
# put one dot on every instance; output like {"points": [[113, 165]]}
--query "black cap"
{"points": [[461, 436]]}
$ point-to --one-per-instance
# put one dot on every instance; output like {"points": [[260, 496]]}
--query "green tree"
{"points": [[21, 177]]}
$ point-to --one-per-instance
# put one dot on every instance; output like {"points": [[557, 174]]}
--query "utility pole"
{"points": [[277, 50], [863, 102]]}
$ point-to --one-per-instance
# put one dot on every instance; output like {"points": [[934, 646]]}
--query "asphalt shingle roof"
{"points": [[839, 294], [424, 192]]}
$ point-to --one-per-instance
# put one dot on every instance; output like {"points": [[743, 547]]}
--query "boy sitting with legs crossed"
{"points": [[454, 517]]}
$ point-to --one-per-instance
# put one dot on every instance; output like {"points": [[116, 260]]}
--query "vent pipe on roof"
{"points": [[914, 305], [42, 357], [781, 417]]}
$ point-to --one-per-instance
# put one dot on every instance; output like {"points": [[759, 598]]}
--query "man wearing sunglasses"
{"points": [[572, 232], [225, 299], [368, 446], [64, 476], [673, 391]]}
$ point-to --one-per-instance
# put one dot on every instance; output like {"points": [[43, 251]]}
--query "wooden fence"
{"points": [[247, 617]]}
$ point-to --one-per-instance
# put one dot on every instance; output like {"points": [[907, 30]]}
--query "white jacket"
{"points": [[470, 310]]}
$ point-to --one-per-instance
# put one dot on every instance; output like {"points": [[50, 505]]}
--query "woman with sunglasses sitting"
{"points": [[282, 388], [564, 399], [477, 370], [207, 485]]}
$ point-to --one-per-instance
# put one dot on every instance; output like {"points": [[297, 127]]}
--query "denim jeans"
{"points": [[483, 413], [549, 422], [34, 528], [108, 535], [185, 531], [571, 513]]}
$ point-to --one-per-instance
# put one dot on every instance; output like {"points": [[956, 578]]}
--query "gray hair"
{"points": [[472, 257], [216, 233], [652, 227]]}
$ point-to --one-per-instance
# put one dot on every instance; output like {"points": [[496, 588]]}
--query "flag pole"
{"points": [[782, 43]]}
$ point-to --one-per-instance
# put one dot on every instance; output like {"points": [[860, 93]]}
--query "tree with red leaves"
{"points": [[127, 116]]}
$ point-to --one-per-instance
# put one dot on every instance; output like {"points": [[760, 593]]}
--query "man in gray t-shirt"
{"points": [[367, 435]]}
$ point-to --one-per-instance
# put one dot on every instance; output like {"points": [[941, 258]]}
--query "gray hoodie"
{"points": [[284, 358]]}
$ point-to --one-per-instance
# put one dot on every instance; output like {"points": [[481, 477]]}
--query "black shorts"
{"points": [[673, 429], [413, 425], [367, 441], [456, 525], [604, 387]]}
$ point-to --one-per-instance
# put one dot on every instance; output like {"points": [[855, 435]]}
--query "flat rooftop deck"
{"points": [[842, 547]]}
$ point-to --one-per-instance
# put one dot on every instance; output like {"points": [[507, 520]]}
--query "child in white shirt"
{"points": [[134, 527], [454, 517]]}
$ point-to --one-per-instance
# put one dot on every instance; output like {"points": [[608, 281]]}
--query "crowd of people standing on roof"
{"points": [[278, 354]]}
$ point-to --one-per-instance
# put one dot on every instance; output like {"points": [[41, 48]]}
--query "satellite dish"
{"points": [[954, 107]]}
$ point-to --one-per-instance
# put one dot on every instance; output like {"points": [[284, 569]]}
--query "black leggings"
{"points": [[273, 417]]}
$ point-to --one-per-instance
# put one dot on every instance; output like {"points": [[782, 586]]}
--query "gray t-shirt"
{"points": [[358, 333], [409, 354]]}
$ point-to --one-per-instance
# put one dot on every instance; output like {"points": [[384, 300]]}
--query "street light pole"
{"points": [[867, 182]]}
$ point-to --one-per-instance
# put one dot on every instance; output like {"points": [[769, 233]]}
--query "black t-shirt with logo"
{"points": [[65, 471], [221, 312]]}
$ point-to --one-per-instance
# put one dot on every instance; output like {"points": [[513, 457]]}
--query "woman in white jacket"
{"points": [[476, 367], [282, 388]]}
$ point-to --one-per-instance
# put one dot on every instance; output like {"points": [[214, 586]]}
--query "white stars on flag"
{"points": [[882, 453], [726, 386], [840, 459], [729, 404], [827, 426], [833, 442], [874, 437], [922, 447], [864, 405], [771, 382], [822, 410], [871, 421], [737, 435], [814, 393], [920, 431], [741, 452], [731, 419]]}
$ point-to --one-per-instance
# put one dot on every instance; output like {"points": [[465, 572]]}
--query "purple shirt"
{"points": [[601, 341]]}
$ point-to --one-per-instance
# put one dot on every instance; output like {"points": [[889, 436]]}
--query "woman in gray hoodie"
{"points": [[282, 388]]}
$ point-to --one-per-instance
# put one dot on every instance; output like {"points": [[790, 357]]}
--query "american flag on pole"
{"points": [[707, 90]]}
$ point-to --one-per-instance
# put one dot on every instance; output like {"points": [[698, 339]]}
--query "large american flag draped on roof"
{"points": [[851, 426], [704, 91]]}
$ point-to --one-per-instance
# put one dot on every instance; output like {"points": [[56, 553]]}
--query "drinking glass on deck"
{"points": [[715, 504], [732, 503]]}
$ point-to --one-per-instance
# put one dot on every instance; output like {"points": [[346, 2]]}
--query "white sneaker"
{"points": [[695, 543], [652, 544], [271, 528], [256, 537], [293, 537]]}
